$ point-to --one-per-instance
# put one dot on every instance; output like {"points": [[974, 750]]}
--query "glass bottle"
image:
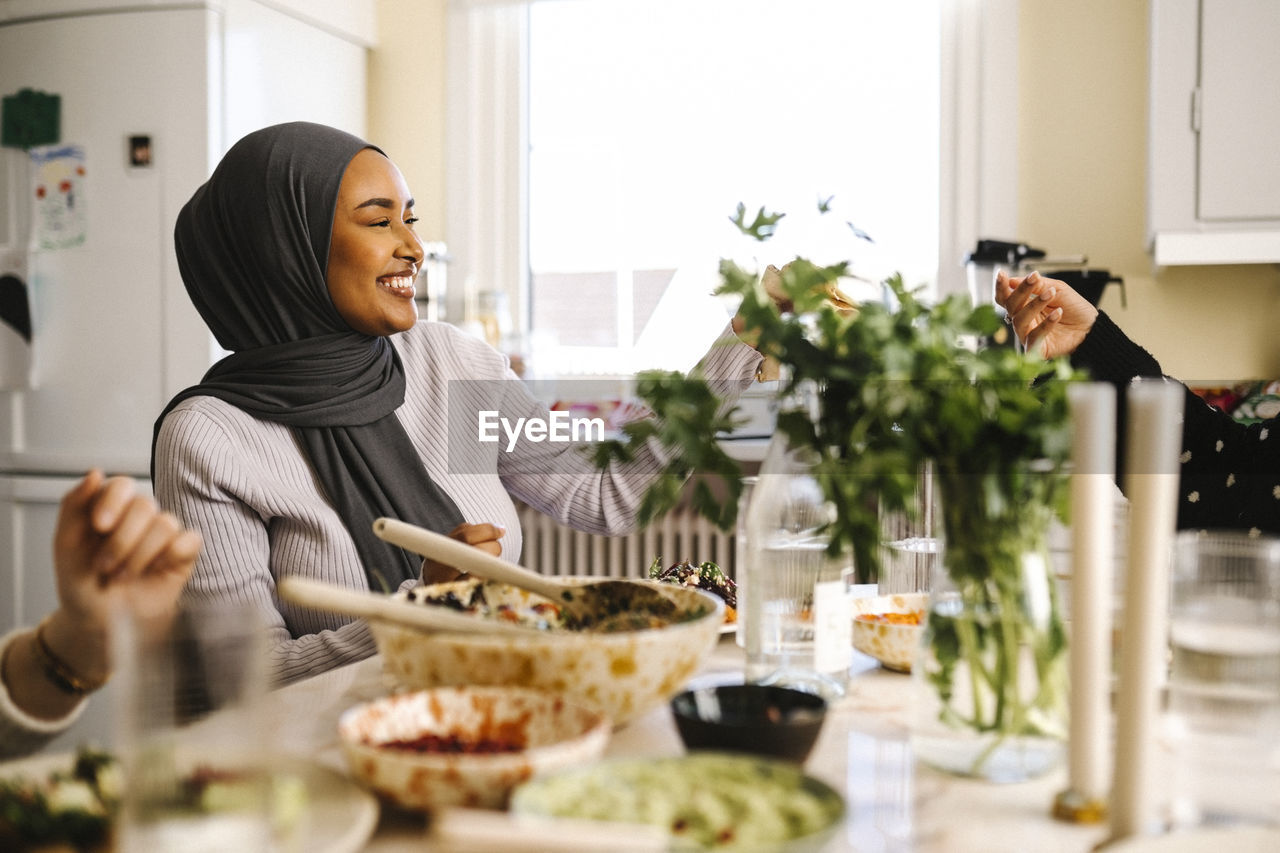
{"points": [[797, 623]]}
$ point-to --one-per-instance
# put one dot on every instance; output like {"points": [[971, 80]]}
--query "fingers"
{"points": [[114, 497], [1026, 301], [162, 547], [433, 572], [1004, 287], [1013, 294], [487, 537], [80, 497], [475, 534], [1037, 334], [143, 539], [179, 554]]}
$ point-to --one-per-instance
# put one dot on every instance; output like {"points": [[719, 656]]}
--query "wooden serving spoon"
{"points": [[373, 605], [582, 604]]}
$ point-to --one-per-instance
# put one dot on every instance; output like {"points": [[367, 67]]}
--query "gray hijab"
{"points": [[253, 249]]}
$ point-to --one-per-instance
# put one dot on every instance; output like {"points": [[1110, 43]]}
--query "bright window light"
{"points": [[650, 120]]}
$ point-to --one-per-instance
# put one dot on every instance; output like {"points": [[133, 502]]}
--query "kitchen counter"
{"points": [[863, 751]]}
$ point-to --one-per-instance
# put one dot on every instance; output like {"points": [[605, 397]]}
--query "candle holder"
{"points": [[1073, 807]]}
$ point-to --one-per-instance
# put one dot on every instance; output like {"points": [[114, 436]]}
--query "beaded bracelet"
{"points": [[57, 671]]}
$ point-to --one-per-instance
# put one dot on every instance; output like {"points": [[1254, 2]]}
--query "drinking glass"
{"points": [[192, 732], [1223, 717], [909, 553]]}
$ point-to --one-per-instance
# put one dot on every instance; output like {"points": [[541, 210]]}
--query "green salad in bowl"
{"points": [[705, 800]]}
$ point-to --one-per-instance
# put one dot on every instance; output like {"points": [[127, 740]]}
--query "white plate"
{"points": [[339, 817]]}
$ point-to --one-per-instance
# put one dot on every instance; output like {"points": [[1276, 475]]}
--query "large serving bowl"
{"points": [[547, 732], [621, 674], [893, 643]]}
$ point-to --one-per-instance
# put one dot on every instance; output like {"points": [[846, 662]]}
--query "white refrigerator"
{"points": [[151, 95]]}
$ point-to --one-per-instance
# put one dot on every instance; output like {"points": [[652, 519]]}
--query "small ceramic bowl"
{"points": [[892, 643], [451, 726], [760, 719]]}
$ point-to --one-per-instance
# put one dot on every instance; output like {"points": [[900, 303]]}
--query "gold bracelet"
{"points": [[57, 671]]}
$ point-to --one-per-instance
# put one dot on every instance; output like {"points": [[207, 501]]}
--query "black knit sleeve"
{"points": [[1230, 473]]}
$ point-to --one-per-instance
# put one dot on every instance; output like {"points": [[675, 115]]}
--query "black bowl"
{"points": [[754, 718]]}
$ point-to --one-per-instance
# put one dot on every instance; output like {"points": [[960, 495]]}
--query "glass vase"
{"points": [[991, 671]]}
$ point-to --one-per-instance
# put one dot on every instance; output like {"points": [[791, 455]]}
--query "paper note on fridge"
{"points": [[57, 197]]}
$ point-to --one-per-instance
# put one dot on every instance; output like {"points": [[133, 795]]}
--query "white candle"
{"points": [[1093, 415], [1151, 477]]}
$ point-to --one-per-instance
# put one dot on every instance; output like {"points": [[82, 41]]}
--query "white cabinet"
{"points": [[1213, 177]]}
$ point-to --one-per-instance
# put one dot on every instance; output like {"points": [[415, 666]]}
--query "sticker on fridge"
{"points": [[15, 321], [58, 197]]}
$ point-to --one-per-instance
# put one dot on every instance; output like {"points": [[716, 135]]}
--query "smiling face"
{"points": [[374, 254]]}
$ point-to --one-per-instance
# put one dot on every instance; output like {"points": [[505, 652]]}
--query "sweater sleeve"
{"points": [[21, 733], [563, 482], [1229, 472]]}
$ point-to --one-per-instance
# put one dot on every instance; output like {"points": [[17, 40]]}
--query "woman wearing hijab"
{"points": [[336, 406]]}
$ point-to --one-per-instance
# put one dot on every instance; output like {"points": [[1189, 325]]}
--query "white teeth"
{"points": [[401, 284]]}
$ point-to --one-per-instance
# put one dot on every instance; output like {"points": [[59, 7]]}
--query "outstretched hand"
{"points": [[771, 281], [1046, 314]]}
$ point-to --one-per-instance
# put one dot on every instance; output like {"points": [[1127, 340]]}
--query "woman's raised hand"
{"points": [[1046, 314]]}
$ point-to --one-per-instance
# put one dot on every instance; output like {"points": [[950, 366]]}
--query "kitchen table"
{"points": [[863, 751]]}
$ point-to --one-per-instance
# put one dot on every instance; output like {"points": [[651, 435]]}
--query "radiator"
{"points": [[553, 549]]}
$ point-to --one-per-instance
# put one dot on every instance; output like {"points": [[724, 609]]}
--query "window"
{"points": [[649, 120], [598, 147]]}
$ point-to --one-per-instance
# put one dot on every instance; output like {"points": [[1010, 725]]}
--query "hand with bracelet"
{"points": [[112, 548]]}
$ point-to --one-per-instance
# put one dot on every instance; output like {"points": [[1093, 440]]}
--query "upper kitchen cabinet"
{"points": [[1213, 177]]}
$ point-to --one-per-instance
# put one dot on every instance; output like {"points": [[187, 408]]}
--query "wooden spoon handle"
{"points": [[462, 556], [371, 605]]}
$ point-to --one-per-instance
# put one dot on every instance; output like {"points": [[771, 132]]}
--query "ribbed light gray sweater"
{"points": [[247, 487]]}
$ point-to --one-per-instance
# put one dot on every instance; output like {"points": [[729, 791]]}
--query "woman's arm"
{"points": [[245, 485], [113, 548], [1230, 473], [563, 482]]}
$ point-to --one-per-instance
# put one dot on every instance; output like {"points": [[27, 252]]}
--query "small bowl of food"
{"points": [[888, 627], [465, 746], [622, 673], [706, 576], [703, 800], [761, 719]]}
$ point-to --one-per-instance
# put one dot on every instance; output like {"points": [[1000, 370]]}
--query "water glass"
{"points": [[192, 732], [909, 553], [1223, 718]]}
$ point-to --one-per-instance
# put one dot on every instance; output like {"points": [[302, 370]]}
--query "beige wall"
{"points": [[406, 101], [1082, 100], [1082, 124]]}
